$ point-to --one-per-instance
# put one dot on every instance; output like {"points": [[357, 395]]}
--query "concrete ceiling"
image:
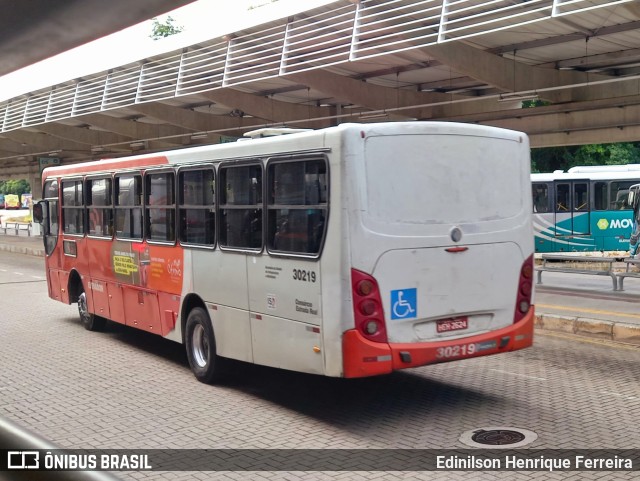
{"points": [[32, 30], [355, 61]]}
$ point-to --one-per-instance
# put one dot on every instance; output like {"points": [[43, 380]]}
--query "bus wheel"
{"points": [[201, 348], [91, 322]]}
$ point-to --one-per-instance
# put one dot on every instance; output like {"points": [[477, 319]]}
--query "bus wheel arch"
{"points": [[190, 302], [75, 286], [200, 344], [78, 294]]}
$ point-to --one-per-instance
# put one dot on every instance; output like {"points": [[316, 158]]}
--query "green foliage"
{"points": [[548, 159], [527, 104], [166, 29], [18, 187]]}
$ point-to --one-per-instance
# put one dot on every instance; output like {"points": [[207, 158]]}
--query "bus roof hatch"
{"points": [[272, 132]]}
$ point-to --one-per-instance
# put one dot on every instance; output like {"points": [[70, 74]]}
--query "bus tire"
{"points": [[90, 321], [205, 363]]}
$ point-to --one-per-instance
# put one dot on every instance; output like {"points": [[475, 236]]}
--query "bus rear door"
{"points": [[572, 215]]}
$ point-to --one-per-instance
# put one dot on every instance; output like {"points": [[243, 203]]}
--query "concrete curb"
{"points": [[591, 328], [17, 249]]}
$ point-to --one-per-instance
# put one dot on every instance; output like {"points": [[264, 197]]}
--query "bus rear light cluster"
{"points": [[525, 287], [367, 307]]}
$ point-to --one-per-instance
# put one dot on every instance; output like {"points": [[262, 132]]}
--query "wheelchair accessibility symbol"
{"points": [[404, 304]]}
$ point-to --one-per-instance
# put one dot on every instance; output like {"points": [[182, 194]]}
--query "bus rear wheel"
{"points": [[90, 321], [205, 363]]}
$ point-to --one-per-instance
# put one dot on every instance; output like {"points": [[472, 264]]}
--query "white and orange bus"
{"points": [[351, 251]]}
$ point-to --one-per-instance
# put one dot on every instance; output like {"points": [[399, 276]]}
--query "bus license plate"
{"points": [[453, 324]]}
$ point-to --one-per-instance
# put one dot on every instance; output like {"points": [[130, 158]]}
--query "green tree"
{"points": [[548, 159], [161, 30], [18, 187], [607, 154]]}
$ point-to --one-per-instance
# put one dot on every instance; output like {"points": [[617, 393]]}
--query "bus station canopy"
{"points": [[566, 72]]}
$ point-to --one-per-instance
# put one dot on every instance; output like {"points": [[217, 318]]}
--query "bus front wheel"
{"points": [[90, 321], [205, 363]]}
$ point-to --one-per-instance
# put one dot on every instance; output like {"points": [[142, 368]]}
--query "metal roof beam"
{"points": [[611, 134], [166, 135], [366, 94], [506, 74], [196, 121], [82, 135], [41, 142], [273, 111], [545, 42]]}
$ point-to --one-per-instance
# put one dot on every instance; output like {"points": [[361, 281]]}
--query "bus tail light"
{"points": [[525, 288], [367, 307]]}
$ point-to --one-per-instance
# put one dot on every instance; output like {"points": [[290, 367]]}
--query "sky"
{"points": [[202, 20]]}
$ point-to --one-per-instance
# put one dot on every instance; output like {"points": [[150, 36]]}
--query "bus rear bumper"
{"points": [[362, 358]]}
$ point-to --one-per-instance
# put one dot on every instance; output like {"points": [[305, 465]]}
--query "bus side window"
{"points": [[128, 207], [562, 197], [581, 199], [297, 206], [100, 207], [621, 199], [160, 207], [72, 207], [600, 196], [240, 206], [50, 192], [196, 206], [620, 191], [540, 198]]}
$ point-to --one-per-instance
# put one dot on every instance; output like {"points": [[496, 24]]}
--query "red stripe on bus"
{"points": [[105, 165]]}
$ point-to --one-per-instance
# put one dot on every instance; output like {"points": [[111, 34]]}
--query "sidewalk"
{"points": [[22, 244], [596, 326]]}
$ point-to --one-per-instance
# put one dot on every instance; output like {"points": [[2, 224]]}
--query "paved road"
{"points": [[128, 389], [590, 297]]}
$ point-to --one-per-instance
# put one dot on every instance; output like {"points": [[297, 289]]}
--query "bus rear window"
{"points": [[417, 180]]}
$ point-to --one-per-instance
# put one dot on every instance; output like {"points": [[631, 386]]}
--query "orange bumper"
{"points": [[362, 358]]}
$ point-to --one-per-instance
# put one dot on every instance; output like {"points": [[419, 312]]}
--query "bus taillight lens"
{"points": [[525, 288], [372, 327], [527, 269], [365, 287], [367, 307]]}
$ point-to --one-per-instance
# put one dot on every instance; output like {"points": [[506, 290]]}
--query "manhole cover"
{"points": [[498, 437]]}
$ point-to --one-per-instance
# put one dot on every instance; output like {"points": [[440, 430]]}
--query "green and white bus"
{"points": [[584, 209]]}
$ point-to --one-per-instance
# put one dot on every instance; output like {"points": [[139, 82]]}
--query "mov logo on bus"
{"points": [[604, 224]]}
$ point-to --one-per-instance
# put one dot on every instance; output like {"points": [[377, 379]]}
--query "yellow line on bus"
{"points": [[590, 311]]}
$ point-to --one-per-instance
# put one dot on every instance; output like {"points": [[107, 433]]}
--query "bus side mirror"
{"points": [[38, 212], [631, 197]]}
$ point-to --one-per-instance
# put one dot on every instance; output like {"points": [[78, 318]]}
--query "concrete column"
{"points": [[35, 180]]}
